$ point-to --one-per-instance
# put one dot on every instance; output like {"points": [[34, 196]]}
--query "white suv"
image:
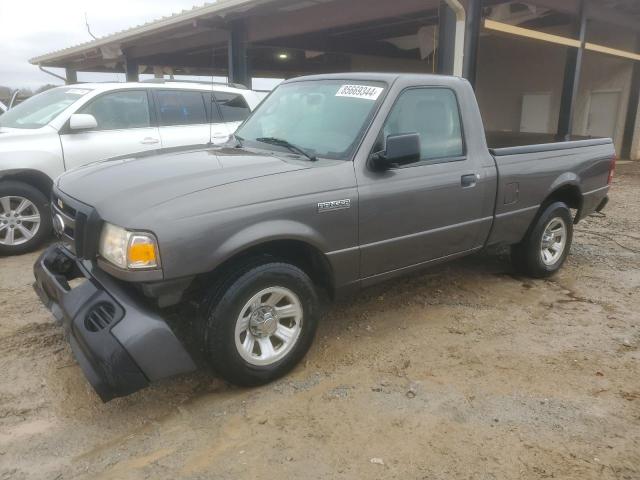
{"points": [[70, 126]]}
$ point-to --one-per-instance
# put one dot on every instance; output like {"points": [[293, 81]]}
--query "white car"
{"points": [[70, 126], [3, 108]]}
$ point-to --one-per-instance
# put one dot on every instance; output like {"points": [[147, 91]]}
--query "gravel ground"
{"points": [[467, 371]]}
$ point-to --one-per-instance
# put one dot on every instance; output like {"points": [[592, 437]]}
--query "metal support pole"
{"points": [[238, 61], [571, 82], [458, 42], [131, 70], [71, 76], [471, 39], [632, 110], [446, 39], [158, 72]]}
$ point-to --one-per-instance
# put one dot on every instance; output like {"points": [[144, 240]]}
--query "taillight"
{"points": [[612, 169]]}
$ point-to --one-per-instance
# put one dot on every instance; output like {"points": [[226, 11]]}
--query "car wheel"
{"points": [[25, 218], [259, 322], [546, 245]]}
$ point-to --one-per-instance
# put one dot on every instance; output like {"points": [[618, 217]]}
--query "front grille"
{"points": [[81, 225], [100, 317], [68, 215]]}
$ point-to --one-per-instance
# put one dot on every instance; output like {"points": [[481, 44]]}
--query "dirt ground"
{"points": [[464, 372]]}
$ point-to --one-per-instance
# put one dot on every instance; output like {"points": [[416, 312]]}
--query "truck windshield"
{"points": [[40, 109], [324, 118]]}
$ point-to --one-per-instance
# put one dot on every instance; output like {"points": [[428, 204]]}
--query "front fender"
{"points": [[264, 232], [41, 152], [204, 251]]}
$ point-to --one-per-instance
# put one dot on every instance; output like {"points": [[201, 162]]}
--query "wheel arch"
{"points": [[299, 252], [567, 192], [35, 178]]}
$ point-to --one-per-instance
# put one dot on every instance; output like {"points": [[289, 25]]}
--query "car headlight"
{"points": [[125, 249]]}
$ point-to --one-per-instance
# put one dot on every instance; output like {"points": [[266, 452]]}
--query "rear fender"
{"points": [[564, 180]]}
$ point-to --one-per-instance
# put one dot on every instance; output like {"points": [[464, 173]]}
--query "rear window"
{"points": [[181, 108], [233, 106]]}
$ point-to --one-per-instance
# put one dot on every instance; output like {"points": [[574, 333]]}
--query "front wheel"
{"points": [[546, 245], [260, 322], [25, 221]]}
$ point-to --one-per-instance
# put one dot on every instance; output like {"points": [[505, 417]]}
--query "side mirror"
{"points": [[401, 149], [82, 121]]}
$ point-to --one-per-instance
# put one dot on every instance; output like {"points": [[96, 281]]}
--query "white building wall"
{"points": [[510, 66]]}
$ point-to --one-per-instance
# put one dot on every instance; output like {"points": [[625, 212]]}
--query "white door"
{"points": [[603, 114], [184, 118], [124, 128], [536, 113]]}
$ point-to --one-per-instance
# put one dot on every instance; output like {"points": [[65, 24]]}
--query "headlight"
{"points": [[134, 250]]}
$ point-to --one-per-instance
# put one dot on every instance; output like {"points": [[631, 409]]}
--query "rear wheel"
{"points": [[25, 220], [546, 245], [259, 322]]}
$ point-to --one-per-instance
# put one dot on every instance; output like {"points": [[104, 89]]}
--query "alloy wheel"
{"points": [[19, 220], [554, 241], [269, 326]]}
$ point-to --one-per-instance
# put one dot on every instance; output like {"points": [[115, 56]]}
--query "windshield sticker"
{"points": [[359, 91], [76, 91]]}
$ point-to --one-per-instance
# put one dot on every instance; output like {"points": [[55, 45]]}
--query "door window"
{"points": [[433, 114], [120, 110], [233, 106], [181, 108]]}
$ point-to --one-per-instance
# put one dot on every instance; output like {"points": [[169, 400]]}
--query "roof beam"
{"points": [[558, 39], [171, 45], [595, 10], [323, 43], [327, 15], [258, 60]]}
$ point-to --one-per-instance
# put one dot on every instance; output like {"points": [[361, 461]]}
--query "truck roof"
{"points": [[384, 77], [167, 84]]}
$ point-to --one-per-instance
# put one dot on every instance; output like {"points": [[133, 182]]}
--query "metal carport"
{"points": [[242, 39]]}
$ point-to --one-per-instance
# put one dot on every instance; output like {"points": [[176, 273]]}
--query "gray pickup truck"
{"points": [[334, 183]]}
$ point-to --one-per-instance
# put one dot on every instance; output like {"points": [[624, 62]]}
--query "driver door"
{"points": [[125, 127], [428, 210]]}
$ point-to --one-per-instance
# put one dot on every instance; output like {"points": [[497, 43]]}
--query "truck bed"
{"points": [[529, 173], [501, 139]]}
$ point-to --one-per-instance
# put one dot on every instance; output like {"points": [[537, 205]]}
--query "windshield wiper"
{"points": [[281, 142]]}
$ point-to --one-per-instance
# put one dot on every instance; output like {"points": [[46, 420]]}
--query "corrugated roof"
{"points": [[220, 7]]}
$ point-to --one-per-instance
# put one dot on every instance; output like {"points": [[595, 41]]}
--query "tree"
{"points": [[44, 88]]}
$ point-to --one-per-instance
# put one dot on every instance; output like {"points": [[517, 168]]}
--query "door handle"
{"points": [[468, 181], [149, 141]]}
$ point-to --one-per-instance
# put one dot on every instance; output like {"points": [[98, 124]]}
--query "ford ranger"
{"points": [[334, 183]]}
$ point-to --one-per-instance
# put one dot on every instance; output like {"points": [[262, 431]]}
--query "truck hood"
{"points": [[148, 180]]}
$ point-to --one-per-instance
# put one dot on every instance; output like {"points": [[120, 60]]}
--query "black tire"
{"points": [[225, 302], [39, 200], [527, 256]]}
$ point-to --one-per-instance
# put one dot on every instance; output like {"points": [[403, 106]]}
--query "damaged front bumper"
{"points": [[120, 343]]}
